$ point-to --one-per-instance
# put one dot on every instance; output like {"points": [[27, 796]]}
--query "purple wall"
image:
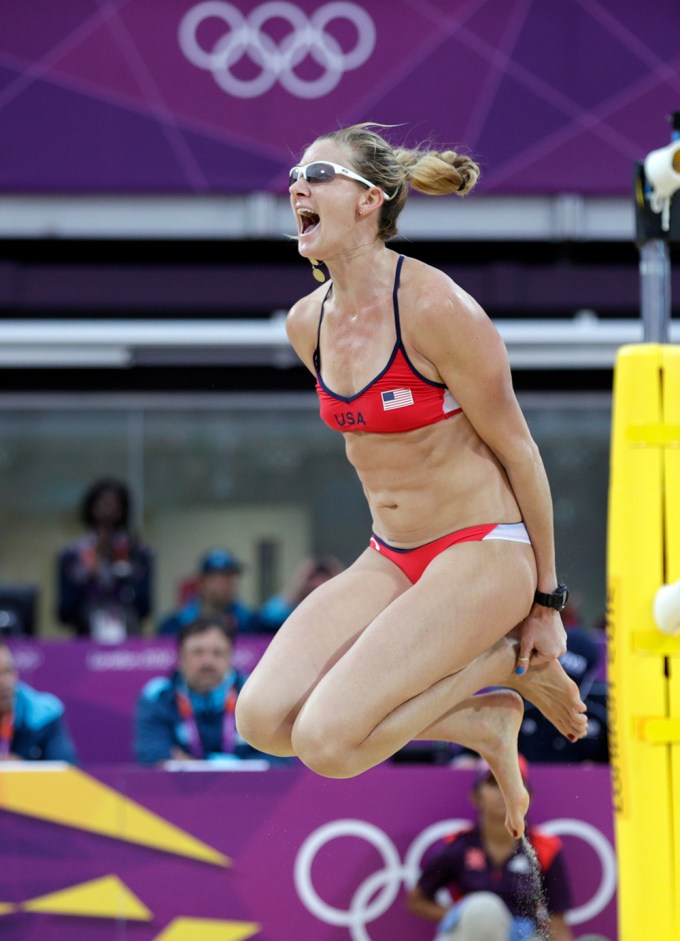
{"points": [[550, 97], [369, 832], [311, 858], [99, 685]]}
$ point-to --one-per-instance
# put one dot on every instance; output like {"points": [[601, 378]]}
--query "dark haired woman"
{"points": [[105, 576]]}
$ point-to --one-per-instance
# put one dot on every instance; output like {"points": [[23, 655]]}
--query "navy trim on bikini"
{"points": [[400, 342], [399, 345], [436, 539]]}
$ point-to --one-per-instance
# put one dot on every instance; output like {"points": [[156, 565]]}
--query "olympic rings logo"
{"points": [[246, 37], [376, 894]]}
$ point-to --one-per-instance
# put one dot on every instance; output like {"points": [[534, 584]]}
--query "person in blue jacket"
{"points": [[32, 723], [313, 572], [216, 594], [189, 715]]}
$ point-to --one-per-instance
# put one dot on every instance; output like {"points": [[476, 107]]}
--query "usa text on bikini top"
{"points": [[398, 399]]}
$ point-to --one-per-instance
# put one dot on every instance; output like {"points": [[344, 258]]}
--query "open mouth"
{"points": [[308, 221]]}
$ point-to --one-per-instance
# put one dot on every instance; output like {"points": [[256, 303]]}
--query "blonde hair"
{"points": [[394, 169]]}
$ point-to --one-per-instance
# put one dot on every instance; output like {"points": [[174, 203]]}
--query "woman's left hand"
{"points": [[542, 638]]}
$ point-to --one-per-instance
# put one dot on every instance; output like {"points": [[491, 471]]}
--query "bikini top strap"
{"points": [[317, 351], [395, 304], [395, 298]]}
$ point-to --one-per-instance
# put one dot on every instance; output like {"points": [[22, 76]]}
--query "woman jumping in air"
{"points": [[456, 591]]}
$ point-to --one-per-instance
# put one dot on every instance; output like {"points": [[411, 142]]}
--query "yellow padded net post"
{"points": [[643, 553]]}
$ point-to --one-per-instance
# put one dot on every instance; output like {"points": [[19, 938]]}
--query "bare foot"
{"points": [[502, 712], [556, 695]]}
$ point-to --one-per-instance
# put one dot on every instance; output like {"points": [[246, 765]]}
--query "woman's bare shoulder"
{"points": [[445, 325], [431, 294], [302, 323]]}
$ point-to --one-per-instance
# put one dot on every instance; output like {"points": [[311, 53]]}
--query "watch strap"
{"points": [[556, 599]]}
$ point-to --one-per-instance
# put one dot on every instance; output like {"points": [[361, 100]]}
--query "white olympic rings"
{"points": [[603, 848], [376, 894], [277, 61]]}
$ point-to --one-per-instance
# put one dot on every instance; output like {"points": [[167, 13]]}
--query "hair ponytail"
{"points": [[438, 172], [394, 169]]}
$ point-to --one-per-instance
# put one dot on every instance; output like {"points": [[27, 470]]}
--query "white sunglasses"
{"points": [[321, 171]]}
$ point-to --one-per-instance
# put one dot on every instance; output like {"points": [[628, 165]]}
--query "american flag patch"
{"points": [[396, 398]]}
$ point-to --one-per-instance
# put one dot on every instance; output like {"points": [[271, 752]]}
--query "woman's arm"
{"points": [[422, 906], [467, 351]]}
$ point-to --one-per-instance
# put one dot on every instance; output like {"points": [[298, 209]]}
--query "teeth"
{"points": [[303, 211]]}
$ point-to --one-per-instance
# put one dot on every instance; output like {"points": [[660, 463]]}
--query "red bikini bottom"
{"points": [[413, 562]]}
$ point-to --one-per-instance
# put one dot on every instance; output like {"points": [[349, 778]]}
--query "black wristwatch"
{"points": [[557, 599]]}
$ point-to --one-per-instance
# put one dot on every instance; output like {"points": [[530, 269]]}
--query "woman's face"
{"points": [[107, 509], [326, 213], [489, 801]]}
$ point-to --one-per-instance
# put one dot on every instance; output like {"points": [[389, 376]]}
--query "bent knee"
{"points": [[325, 752], [260, 725]]}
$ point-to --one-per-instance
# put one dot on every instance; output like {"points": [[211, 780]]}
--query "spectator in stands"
{"points": [[215, 593], [190, 714], [313, 572], [497, 894], [32, 724], [105, 576]]}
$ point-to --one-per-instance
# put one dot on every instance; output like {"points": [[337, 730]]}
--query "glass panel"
{"points": [[262, 476]]}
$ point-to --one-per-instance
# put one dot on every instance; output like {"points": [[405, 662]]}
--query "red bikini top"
{"points": [[398, 399]]}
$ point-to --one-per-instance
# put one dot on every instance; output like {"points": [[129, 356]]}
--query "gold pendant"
{"points": [[317, 273]]}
